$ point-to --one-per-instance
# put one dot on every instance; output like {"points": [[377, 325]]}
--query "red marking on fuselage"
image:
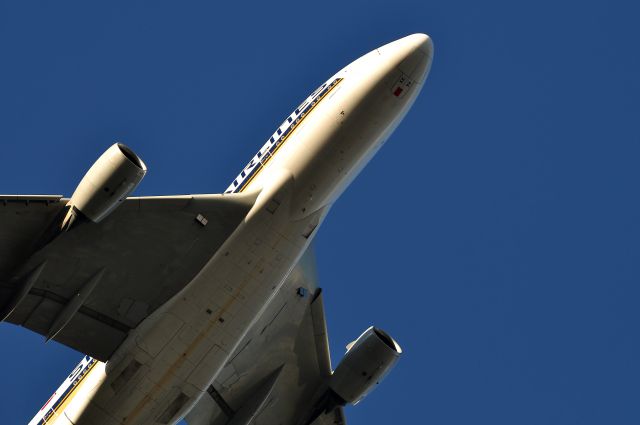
{"points": [[47, 403]]}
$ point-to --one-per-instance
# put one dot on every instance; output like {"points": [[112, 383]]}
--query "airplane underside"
{"points": [[207, 307]]}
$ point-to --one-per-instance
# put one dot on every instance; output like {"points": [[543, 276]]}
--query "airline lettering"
{"points": [[280, 135]]}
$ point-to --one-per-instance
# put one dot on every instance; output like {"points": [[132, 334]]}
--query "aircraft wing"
{"points": [[122, 268], [280, 371]]}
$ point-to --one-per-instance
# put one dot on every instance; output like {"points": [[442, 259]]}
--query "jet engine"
{"points": [[367, 361], [108, 182]]}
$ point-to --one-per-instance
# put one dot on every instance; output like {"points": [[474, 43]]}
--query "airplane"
{"points": [[207, 307]]}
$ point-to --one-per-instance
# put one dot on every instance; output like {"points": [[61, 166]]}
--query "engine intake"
{"points": [[367, 361], [108, 182]]}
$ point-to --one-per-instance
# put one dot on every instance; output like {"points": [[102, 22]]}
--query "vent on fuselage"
{"points": [[125, 376], [173, 409]]}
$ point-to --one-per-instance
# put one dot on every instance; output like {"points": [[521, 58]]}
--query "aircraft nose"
{"points": [[413, 53]]}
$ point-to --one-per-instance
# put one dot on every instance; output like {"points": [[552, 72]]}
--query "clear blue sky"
{"points": [[495, 236]]}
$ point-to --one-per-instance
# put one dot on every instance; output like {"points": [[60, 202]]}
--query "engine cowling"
{"points": [[367, 361], [108, 182]]}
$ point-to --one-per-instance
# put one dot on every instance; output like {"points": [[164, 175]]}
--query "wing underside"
{"points": [[131, 263]]}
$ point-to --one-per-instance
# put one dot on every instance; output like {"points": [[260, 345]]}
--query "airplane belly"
{"points": [[172, 359], [362, 127]]}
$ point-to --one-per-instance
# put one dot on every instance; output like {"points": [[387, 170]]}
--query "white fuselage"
{"points": [[169, 361]]}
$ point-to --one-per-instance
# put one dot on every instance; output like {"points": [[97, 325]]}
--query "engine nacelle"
{"points": [[366, 363], [108, 182]]}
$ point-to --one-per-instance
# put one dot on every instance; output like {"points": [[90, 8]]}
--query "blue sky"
{"points": [[495, 236]]}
